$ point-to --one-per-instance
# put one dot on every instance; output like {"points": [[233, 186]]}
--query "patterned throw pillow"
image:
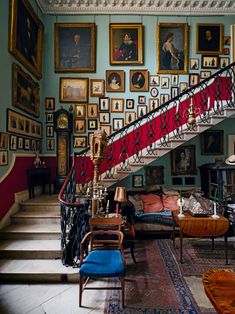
{"points": [[152, 203], [137, 202]]}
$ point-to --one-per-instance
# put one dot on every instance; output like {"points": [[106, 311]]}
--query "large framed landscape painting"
{"points": [[73, 89], [25, 36], [126, 44], [172, 56], [75, 47]]}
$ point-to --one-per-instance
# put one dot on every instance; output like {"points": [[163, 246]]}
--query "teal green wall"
{"points": [[49, 84]]}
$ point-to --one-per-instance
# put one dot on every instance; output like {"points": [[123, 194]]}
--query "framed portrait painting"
{"points": [[183, 160], [25, 37], [137, 181], [154, 175], [212, 142], [209, 38], [172, 53], [25, 91], [75, 49], [115, 81], [139, 80], [73, 89], [126, 44]]}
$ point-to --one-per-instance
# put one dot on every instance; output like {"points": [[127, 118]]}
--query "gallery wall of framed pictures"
{"points": [[113, 86]]}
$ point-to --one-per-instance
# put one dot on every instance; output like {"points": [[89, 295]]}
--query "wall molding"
{"points": [[145, 7]]}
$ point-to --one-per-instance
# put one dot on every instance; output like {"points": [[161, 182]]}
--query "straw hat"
{"points": [[230, 160]]}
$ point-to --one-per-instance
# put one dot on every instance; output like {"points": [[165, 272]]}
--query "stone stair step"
{"points": [[36, 217], [42, 202], [40, 270], [33, 231], [30, 249]]}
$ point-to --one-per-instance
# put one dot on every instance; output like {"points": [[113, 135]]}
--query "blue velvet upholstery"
{"points": [[103, 263]]}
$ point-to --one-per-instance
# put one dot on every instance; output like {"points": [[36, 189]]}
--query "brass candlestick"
{"points": [[98, 144], [191, 121]]}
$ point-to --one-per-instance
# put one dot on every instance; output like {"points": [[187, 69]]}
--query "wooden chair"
{"points": [[105, 258]]}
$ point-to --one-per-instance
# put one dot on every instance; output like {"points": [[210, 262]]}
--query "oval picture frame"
{"points": [[154, 92]]}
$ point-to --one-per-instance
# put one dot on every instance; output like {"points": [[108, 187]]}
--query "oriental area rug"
{"points": [[156, 284]]}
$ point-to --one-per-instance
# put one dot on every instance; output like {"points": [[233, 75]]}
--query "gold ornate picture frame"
{"points": [[73, 89], [126, 44], [209, 38], [25, 36], [172, 48], [25, 91], [75, 47]]}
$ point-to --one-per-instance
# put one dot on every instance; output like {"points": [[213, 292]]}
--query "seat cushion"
{"points": [[103, 263]]}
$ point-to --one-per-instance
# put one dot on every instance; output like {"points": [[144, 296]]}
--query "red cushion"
{"points": [[152, 203], [170, 202]]}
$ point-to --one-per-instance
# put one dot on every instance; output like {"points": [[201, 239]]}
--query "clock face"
{"points": [[62, 121]]}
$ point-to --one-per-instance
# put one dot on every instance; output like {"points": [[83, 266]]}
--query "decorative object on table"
{"points": [[230, 160], [119, 197], [37, 160], [215, 216], [180, 203], [98, 144]]}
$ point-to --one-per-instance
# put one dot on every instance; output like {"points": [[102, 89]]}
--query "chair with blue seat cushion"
{"points": [[105, 259]]}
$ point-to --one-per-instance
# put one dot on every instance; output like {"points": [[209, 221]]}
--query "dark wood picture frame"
{"points": [[137, 181], [104, 104], [154, 175], [80, 110], [210, 62], [172, 35], [79, 125], [212, 142], [97, 87], [4, 140], [3, 157], [80, 141], [25, 36], [209, 38], [117, 104], [73, 89], [50, 103], [25, 91], [115, 81], [126, 43], [75, 47], [183, 161], [92, 111], [20, 124], [139, 80]]}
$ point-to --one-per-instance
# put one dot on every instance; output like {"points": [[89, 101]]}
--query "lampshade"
{"points": [[120, 194]]}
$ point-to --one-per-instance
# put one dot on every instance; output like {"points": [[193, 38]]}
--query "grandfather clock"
{"points": [[63, 126]]}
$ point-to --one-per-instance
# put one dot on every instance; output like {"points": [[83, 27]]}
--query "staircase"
{"points": [[30, 247]]}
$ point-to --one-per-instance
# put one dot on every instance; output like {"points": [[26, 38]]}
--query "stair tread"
{"points": [[44, 228], [30, 245], [42, 200], [38, 266], [37, 214]]}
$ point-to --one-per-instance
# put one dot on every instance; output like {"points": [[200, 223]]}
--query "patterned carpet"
{"points": [[156, 283], [153, 285]]}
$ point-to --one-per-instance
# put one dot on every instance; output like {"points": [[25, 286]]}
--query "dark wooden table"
{"points": [[38, 176], [207, 227]]}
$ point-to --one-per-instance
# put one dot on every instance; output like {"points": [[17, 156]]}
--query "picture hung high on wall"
{"points": [[172, 53], [25, 36], [75, 47], [97, 88], [126, 44], [73, 89], [25, 91], [209, 38]]}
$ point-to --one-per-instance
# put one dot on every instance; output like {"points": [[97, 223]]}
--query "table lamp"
{"points": [[119, 197]]}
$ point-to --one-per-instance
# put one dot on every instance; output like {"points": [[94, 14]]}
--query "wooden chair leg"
{"points": [[123, 291], [80, 290]]}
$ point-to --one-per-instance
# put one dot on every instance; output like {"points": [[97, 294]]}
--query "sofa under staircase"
{"points": [[152, 136]]}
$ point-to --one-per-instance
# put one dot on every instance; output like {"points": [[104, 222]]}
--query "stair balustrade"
{"points": [[146, 136]]}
